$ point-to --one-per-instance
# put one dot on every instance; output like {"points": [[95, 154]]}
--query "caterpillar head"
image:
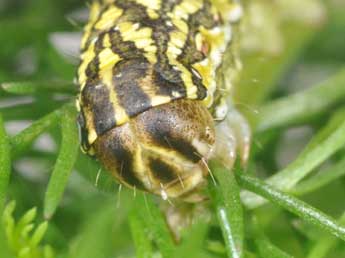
{"points": [[162, 150]]}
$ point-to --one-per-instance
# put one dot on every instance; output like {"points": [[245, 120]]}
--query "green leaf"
{"points": [[4, 250], [303, 105], [30, 111], [27, 218], [25, 221], [5, 163], [324, 244], [226, 198], [316, 152], [193, 242], [24, 139], [264, 245], [64, 163], [142, 243], [155, 221], [28, 88], [321, 179], [39, 234], [9, 223], [292, 204]]}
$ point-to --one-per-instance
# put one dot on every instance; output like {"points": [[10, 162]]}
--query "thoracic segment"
{"points": [[139, 54]]}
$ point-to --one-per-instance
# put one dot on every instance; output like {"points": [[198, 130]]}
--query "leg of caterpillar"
{"points": [[232, 137]]}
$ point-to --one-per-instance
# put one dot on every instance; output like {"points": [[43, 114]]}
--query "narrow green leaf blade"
{"points": [[5, 163], [142, 243], [263, 244], [27, 88], [39, 234], [24, 139], [64, 164], [316, 152], [303, 105], [226, 198], [155, 221], [325, 243], [292, 204], [321, 179]]}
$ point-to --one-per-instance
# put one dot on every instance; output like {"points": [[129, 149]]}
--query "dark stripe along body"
{"points": [[142, 59]]}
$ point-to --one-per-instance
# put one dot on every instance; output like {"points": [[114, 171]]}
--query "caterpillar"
{"points": [[152, 108]]}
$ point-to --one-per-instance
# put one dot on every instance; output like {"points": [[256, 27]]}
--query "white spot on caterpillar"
{"points": [[221, 111], [196, 73], [169, 23], [176, 94], [236, 13]]}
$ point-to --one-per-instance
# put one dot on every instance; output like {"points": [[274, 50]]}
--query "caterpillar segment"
{"points": [[151, 108]]}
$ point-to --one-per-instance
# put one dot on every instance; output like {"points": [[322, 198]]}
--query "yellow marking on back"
{"points": [[91, 131], [231, 11], [180, 24], [94, 12], [152, 14], [132, 32], [175, 45], [107, 58], [187, 7], [142, 38], [106, 41], [178, 39], [186, 76], [159, 100], [149, 87], [150, 4], [91, 135], [208, 79], [86, 58], [108, 18], [106, 76]]}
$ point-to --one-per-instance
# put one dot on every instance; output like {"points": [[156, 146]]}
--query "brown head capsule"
{"points": [[162, 150]]}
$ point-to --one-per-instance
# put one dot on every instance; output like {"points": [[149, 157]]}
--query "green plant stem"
{"points": [[24, 139], [31, 111], [292, 204], [325, 243], [5, 163], [316, 152], [64, 163], [322, 146], [28, 88], [321, 179], [301, 106], [226, 198]]}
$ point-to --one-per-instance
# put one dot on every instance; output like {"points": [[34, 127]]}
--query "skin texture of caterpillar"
{"points": [[150, 94]]}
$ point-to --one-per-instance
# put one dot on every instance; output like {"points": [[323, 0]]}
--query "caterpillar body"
{"points": [[149, 96]]}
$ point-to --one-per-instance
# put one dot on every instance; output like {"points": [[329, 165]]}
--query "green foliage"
{"points": [[267, 209], [21, 241]]}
